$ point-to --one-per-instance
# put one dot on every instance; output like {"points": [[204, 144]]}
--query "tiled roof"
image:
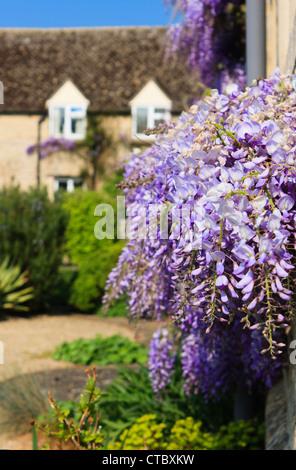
{"points": [[109, 66]]}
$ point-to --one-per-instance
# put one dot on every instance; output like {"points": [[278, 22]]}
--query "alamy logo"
{"points": [[1, 353], [147, 221], [1, 93]]}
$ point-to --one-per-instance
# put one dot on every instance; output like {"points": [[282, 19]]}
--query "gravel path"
{"points": [[29, 343]]}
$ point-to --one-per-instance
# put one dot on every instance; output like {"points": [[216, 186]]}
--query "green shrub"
{"points": [[240, 434], [32, 236], [80, 238], [102, 351], [131, 396], [61, 293], [110, 183], [94, 258], [88, 288], [118, 309], [78, 422], [148, 433], [187, 434]]}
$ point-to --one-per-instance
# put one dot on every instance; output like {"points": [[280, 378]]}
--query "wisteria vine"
{"points": [[225, 274], [50, 146], [211, 35]]}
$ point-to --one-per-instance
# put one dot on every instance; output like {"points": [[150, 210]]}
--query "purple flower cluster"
{"points": [[50, 146], [212, 363], [224, 275], [162, 357], [210, 34]]}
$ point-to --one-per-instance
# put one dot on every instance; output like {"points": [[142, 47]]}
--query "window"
{"points": [[141, 120], [67, 112], [146, 117], [59, 121], [150, 107], [67, 121], [67, 184]]}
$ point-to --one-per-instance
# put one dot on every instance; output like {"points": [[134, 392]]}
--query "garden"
{"points": [[53, 264], [210, 278]]}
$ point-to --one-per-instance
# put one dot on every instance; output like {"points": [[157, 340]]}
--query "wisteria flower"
{"points": [[225, 174]]}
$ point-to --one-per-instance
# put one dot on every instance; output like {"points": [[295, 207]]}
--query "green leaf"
{"points": [[34, 438]]}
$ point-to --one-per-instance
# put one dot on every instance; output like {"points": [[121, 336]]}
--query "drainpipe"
{"points": [[255, 40], [43, 117]]}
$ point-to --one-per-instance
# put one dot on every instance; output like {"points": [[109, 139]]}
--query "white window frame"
{"points": [[70, 180], [69, 114], [152, 116]]}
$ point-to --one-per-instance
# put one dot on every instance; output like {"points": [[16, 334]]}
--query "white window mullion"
{"points": [[67, 122], [70, 185], [51, 120], [150, 117]]}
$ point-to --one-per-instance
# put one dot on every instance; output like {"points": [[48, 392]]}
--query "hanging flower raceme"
{"points": [[162, 358], [224, 176], [50, 146], [210, 34]]}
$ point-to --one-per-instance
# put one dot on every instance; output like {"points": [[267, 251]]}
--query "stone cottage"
{"points": [[55, 78]]}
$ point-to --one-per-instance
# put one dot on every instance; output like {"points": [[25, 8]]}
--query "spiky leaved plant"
{"points": [[14, 291]]}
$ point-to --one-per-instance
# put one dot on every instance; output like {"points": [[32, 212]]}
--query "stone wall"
{"points": [[18, 132], [281, 408], [280, 35]]}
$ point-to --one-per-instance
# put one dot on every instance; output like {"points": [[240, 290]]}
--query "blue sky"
{"points": [[81, 13]]}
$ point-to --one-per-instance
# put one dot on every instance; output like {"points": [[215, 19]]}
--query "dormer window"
{"points": [[150, 107], [67, 113], [67, 121], [147, 117]]}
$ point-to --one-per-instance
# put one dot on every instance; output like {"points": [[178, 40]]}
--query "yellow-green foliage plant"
{"points": [[145, 434], [14, 291], [187, 434]]}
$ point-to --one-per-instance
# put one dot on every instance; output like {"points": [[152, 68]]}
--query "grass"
{"points": [[21, 401]]}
